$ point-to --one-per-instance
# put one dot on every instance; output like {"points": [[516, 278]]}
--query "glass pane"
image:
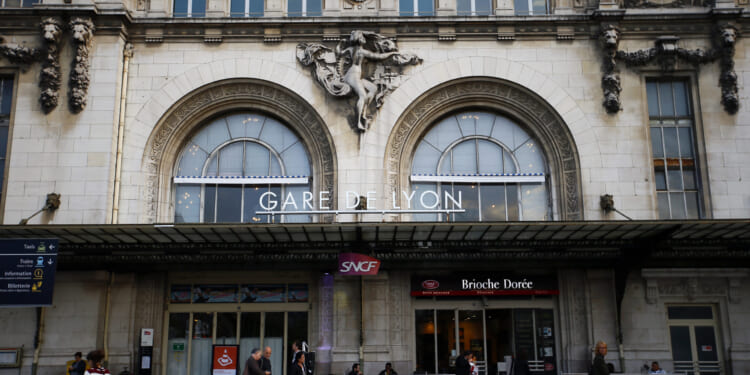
{"points": [[249, 334], [257, 159], [274, 328], [226, 328], [511, 191], [466, 120], [180, 8], [237, 10], [471, 332], [661, 178], [424, 323], [252, 203], [187, 204], [491, 157], [529, 158], [681, 350], [483, 8], [297, 329], [493, 202], [666, 99], [443, 134], [663, 200], [191, 162], [653, 99], [686, 142], [229, 204], [314, 8], [523, 320], [670, 142], [545, 341], [209, 204], [179, 294], [426, 7], [425, 159], [680, 99], [465, 157], [674, 179], [200, 345], [179, 325], [484, 121], [295, 161], [406, 8], [212, 168], [277, 135], [469, 201], [677, 201], [215, 293], [464, 7], [656, 143], [509, 163], [297, 193], [446, 341], [256, 8], [499, 337], [416, 204], [705, 343], [540, 6], [212, 135], [691, 199], [534, 202], [230, 160], [522, 7], [295, 7], [690, 312], [199, 8], [688, 175], [6, 94]]}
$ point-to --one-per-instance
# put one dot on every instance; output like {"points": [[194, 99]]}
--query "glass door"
{"points": [[693, 336]]}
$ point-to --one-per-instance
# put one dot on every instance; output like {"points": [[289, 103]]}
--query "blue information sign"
{"points": [[27, 271]]}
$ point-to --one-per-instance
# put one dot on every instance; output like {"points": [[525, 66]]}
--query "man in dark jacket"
{"points": [[251, 366], [599, 367], [462, 364], [265, 361]]}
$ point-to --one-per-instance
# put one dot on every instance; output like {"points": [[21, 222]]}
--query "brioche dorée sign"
{"points": [[483, 285], [357, 264]]}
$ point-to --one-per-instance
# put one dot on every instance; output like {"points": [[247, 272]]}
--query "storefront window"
{"points": [[238, 165], [177, 343], [487, 162]]}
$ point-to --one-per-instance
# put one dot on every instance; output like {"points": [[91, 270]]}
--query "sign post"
{"points": [[225, 358], [27, 272]]}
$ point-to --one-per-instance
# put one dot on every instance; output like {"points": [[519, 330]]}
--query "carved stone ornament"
{"points": [[22, 55], [82, 30], [220, 97], [345, 71], [50, 77], [534, 112], [666, 53]]}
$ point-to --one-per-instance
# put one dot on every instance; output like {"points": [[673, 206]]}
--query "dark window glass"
{"points": [[426, 7], [256, 8], [406, 7], [522, 7], [180, 8], [226, 328], [681, 349], [229, 204], [446, 340], [6, 103], [424, 323], [237, 8], [179, 294], [690, 312], [523, 321], [178, 325], [295, 8], [314, 8], [199, 8]]}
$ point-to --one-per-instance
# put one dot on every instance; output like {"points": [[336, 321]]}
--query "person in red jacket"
{"points": [[96, 358]]}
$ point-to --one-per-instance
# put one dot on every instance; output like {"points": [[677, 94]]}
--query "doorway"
{"points": [[694, 340]]}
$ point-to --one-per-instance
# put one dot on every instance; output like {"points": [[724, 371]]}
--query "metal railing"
{"points": [[698, 367]]}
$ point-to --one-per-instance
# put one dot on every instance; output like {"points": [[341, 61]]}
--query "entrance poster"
{"points": [[225, 358], [495, 284], [27, 271]]}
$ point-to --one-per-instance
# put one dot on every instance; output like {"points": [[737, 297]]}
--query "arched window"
{"points": [[496, 168], [238, 165]]}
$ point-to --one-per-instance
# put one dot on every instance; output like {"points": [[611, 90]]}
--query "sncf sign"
{"points": [[357, 264]]}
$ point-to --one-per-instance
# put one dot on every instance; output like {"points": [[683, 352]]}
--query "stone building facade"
{"points": [[102, 102]]}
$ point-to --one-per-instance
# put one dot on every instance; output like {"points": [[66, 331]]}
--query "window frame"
{"points": [[530, 9], [690, 77], [303, 9], [189, 12], [473, 9], [415, 10], [13, 75], [247, 13], [21, 2]]}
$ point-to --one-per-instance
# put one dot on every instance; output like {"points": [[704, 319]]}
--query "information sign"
{"points": [[225, 358], [27, 271]]}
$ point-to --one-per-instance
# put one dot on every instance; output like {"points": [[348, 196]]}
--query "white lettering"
{"points": [[289, 201], [321, 199], [408, 199], [370, 199], [307, 198], [393, 195], [456, 204], [356, 199], [425, 205], [363, 266], [270, 195]]}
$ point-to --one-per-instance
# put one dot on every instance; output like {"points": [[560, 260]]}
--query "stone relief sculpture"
{"points": [[82, 30], [666, 53], [22, 55], [344, 72], [50, 76]]}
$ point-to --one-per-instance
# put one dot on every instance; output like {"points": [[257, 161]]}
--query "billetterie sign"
{"points": [[483, 285], [427, 199]]}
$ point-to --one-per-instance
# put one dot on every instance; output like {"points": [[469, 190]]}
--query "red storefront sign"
{"points": [[358, 264], [225, 360]]}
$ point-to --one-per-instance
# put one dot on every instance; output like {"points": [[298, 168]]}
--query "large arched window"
{"points": [[238, 165], [496, 168]]}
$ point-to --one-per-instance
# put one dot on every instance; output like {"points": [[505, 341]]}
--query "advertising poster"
{"points": [[215, 293], [263, 293], [225, 358]]}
